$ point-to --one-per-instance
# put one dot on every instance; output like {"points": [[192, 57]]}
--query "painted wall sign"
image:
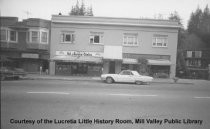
{"points": [[30, 55], [78, 53]]}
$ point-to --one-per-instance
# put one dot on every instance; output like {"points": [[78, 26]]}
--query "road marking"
{"points": [[63, 93], [202, 97], [134, 95]]}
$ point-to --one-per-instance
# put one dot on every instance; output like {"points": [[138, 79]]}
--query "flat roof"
{"points": [[115, 21]]}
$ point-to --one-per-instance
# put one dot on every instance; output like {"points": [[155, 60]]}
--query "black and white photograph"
{"points": [[105, 64]]}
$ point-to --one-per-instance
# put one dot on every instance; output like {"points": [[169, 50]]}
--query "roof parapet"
{"points": [[115, 21]]}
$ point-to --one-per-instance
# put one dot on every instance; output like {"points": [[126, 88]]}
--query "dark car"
{"points": [[11, 73]]}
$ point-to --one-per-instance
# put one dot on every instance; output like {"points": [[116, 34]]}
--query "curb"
{"points": [[66, 79]]}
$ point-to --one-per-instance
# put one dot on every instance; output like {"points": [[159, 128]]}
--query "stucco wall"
{"points": [[113, 35]]}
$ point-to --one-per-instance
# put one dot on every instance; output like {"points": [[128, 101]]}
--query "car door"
{"points": [[125, 76]]}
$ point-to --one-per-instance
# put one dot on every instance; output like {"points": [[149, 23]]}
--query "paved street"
{"points": [[180, 106]]}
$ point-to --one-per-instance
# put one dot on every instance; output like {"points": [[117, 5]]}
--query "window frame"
{"points": [[194, 54], [131, 36], [63, 37], [8, 35], [99, 34], [160, 41], [39, 32]]}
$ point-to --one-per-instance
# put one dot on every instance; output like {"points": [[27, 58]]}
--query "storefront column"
{"points": [[118, 66], [172, 70], [52, 68], [105, 67]]}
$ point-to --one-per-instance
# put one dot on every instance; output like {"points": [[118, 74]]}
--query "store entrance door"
{"points": [[112, 67]]}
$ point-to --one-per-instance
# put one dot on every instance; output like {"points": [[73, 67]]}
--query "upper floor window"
{"points": [[67, 37], [13, 36], [130, 40], [38, 36], [194, 63], [96, 37], [44, 37], [34, 36], [194, 54], [3, 35], [9, 35], [160, 41]]}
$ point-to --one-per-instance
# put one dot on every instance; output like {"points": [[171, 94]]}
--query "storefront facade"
{"points": [[25, 44], [83, 45]]}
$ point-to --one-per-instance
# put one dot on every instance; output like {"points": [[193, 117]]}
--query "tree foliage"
{"points": [[199, 24], [175, 17], [81, 10]]}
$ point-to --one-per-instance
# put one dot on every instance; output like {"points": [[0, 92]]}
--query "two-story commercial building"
{"points": [[25, 44], [83, 45]]}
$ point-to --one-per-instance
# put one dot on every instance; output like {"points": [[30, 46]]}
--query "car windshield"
{"points": [[135, 73]]}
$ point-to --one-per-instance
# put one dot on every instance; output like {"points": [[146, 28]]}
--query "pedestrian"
{"points": [[40, 70]]}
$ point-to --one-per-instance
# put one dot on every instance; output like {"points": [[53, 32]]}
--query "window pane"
{"points": [[96, 39], [44, 37], [91, 39], [12, 36], [62, 38], [68, 38], [130, 39], [3, 35], [159, 41], [34, 36]]}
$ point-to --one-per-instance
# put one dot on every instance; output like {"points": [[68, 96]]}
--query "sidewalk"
{"points": [[97, 78]]}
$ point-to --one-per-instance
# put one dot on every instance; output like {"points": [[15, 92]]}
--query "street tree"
{"points": [[199, 24], [81, 10]]}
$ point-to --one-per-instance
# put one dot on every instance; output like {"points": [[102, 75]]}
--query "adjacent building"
{"points": [[25, 44], [196, 57], [83, 45]]}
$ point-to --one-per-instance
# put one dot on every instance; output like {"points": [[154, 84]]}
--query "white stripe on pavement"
{"points": [[134, 95], [63, 93], [202, 97]]}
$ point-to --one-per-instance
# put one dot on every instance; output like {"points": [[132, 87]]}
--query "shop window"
{"points": [[159, 41], [130, 40], [67, 37], [96, 38]]}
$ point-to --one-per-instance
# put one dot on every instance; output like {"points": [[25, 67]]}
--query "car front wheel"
{"points": [[109, 80]]}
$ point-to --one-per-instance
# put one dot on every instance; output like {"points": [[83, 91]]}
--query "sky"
{"points": [[106, 8]]}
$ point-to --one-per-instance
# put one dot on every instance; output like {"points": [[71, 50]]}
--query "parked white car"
{"points": [[127, 76]]}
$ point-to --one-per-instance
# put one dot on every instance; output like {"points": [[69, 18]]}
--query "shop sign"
{"points": [[79, 53], [30, 55]]}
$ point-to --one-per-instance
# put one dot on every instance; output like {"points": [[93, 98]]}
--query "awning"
{"points": [[113, 52], [4, 59], [130, 61], [81, 59], [159, 62]]}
